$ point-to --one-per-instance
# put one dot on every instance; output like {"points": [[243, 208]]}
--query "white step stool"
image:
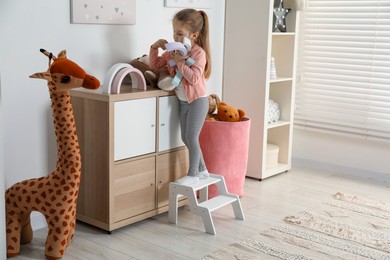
{"points": [[203, 207]]}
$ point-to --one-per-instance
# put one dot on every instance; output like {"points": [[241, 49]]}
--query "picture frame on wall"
{"points": [[103, 11], [189, 3]]}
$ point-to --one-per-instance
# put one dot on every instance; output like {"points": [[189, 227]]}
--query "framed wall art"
{"points": [[189, 3], [103, 11]]}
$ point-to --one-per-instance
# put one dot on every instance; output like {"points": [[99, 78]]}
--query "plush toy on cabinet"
{"points": [[153, 77]]}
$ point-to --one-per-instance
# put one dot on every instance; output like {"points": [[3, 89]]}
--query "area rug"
{"points": [[345, 227]]}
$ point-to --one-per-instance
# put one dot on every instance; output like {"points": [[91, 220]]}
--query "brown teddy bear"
{"points": [[228, 113], [156, 78]]}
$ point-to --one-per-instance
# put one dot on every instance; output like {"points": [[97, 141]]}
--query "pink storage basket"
{"points": [[225, 150]]}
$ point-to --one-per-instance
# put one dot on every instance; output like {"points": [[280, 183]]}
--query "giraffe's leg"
{"points": [[13, 234], [26, 234], [72, 229], [56, 241]]}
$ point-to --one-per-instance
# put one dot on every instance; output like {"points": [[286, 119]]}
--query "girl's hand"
{"points": [[159, 44], [177, 57]]}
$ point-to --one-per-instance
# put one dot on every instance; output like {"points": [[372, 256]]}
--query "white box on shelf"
{"points": [[272, 156]]}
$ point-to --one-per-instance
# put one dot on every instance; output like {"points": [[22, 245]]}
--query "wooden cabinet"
{"points": [[127, 162], [248, 27]]}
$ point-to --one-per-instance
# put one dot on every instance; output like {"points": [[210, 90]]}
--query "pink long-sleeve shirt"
{"points": [[193, 81]]}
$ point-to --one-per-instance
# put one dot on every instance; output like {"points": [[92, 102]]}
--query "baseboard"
{"points": [[363, 173]]}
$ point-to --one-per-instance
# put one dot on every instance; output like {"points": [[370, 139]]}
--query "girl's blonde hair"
{"points": [[197, 21]]}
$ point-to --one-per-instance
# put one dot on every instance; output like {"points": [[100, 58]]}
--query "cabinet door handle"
{"points": [[152, 125], [162, 124]]}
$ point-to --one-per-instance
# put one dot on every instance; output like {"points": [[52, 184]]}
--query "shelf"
{"points": [[280, 79], [282, 167], [278, 124], [283, 34]]}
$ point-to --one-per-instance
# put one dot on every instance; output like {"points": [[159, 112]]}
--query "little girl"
{"points": [[191, 91]]}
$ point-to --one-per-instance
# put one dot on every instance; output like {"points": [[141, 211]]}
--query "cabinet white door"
{"points": [[134, 128], [169, 129]]}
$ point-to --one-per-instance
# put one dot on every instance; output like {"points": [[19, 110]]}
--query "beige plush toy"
{"points": [[213, 104], [155, 78]]}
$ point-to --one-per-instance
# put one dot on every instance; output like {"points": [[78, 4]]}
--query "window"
{"points": [[343, 82]]}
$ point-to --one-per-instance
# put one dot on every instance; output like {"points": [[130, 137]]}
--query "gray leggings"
{"points": [[192, 116]]}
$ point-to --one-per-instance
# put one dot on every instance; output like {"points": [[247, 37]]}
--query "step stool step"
{"points": [[203, 183], [217, 202]]}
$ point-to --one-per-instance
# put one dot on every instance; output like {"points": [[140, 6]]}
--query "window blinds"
{"points": [[343, 82]]}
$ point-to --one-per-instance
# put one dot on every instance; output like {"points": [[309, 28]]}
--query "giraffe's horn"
{"points": [[48, 54]]}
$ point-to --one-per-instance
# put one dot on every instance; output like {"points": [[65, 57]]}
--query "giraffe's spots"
{"points": [[43, 208], [66, 232], [58, 230], [50, 224], [62, 211], [32, 183], [70, 200], [11, 248], [50, 190], [58, 204], [43, 194], [19, 199], [62, 251], [53, 198], [50, 248], [8, 201], [12, 195], [14, 239], [28, 199], [67, 217], [34, 192], [38, 201], [24, 191], [47, 204], [17, 188], [70, 208], [64, 198], [15, 204], [52, 211], [64, 223], [8, 230], [40, 185], [66, 188], [72, 184]]}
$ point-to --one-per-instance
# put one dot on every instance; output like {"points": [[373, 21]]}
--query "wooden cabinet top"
{"points": [[127, 92]]}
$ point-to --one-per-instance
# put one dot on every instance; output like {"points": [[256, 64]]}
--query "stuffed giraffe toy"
{"points": [[55, 195]]}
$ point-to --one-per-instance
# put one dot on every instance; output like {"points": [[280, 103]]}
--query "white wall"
{"points": [[26, 26], [343, 154], [2, 198]]}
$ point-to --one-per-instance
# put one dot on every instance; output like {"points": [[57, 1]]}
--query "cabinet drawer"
{"points": [[134, 189], [134, 128], [170, 167]]}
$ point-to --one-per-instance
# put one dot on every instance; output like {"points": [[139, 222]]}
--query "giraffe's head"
{"points": [[64, 75]]}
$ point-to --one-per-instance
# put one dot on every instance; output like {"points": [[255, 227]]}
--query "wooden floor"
{"points": [[265, 203]]}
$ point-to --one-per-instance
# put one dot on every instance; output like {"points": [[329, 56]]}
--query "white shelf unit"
{"points": [[249, 46]]}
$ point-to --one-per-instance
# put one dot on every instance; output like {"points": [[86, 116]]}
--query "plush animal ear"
{"points": [[241, 113], [62, 54], [41, 75]]}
